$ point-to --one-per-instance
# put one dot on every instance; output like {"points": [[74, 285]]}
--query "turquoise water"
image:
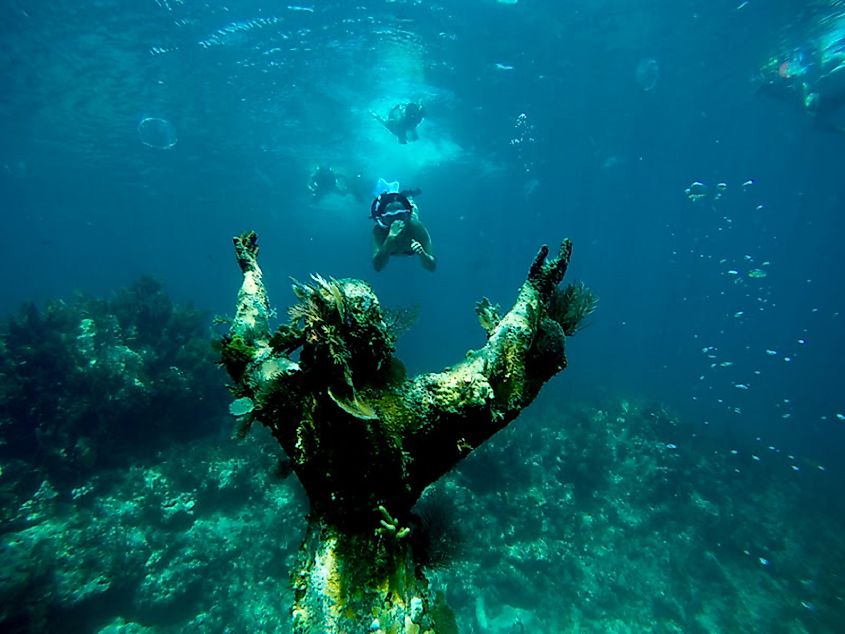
{"points": [[137, 138]]}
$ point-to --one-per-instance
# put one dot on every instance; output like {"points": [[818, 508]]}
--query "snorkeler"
{"points": [[812, 76], [402, 120], [398, 229], [326, 180]]}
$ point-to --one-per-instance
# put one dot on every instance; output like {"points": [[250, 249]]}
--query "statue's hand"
{"points": [[417, 247]]}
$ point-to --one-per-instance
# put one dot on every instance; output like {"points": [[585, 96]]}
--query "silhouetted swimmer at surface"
{"points": [[812, 75], [402, 120]]}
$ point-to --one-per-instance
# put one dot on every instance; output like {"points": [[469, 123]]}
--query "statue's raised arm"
{"points": [[365, 440]]}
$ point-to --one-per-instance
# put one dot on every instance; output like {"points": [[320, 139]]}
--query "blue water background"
{"points": [[261, 93]]}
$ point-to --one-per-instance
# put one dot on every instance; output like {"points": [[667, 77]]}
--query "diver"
{"points": [[402, 121], [398, 229], [326, 180], [812, 76]]}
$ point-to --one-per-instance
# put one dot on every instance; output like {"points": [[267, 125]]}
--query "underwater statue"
{"points": [[365, 440]]}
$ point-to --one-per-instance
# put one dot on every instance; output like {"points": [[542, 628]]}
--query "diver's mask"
{"points": [[389, 207]]}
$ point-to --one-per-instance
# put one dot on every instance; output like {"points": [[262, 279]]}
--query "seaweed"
{"points": [[571, 306]]}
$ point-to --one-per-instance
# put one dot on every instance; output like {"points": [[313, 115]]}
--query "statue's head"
{"points": [[343, 328]]}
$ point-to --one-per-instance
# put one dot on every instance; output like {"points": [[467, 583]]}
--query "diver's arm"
{"points": [[390, 126], [380, 252], [383, 244], [392, 123], [421, 244]]}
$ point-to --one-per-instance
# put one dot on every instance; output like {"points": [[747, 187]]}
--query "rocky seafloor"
{"points": [[610, 518]]}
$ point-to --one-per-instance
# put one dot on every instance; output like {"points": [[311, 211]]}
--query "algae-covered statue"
{"points": [[365, 440]]}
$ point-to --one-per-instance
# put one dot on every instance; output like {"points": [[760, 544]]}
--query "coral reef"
{"points": [[680, 530], [636, 519], [90, 383], [158, 547], [363, 441]]}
